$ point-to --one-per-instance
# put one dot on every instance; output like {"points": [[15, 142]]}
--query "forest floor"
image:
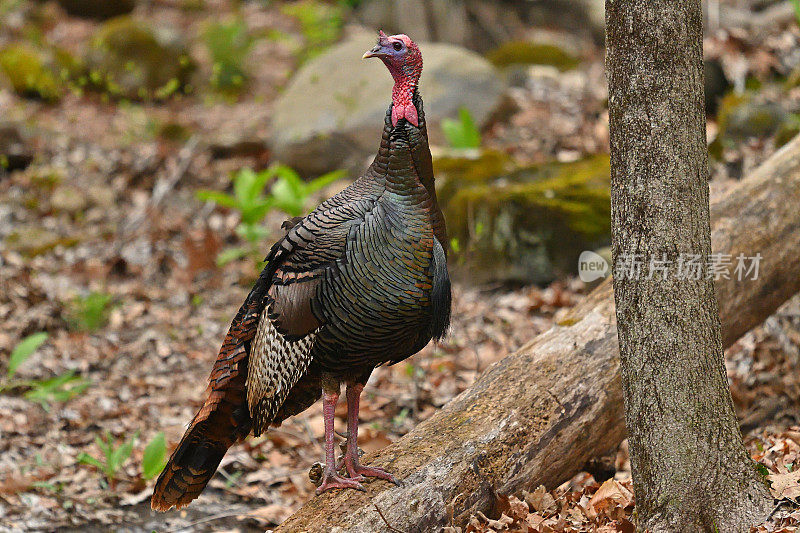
{"points": [[119, 270]]}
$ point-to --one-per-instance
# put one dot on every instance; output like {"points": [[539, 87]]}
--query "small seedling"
{"points": [[114, 457], [462, 133], [23, 350], [90, 312], [288, 193], [229, 44], [320, 23], [61, 388], [58, 389], [154, 457]]}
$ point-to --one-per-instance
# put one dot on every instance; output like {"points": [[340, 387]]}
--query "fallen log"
{"points": [[537, 416]]}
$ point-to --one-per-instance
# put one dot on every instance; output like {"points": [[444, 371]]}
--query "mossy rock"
{"points": [[523, 224], [33, 240], [741, 117], [787, 132], [98, 9], [30, 72], [528, 53], [129, 59]]}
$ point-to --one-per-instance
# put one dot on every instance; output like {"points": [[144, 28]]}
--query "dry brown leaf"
{"points": [[609, 495], [540, 500], [785, 485]]}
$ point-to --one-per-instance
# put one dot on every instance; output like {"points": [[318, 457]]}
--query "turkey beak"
{"points": [[375, 52]]}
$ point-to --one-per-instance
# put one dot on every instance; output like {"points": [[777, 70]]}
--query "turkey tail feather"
{"points": [[223, 419], [215, 428]]}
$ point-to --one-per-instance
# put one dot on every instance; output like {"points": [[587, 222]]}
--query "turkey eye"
{"points": [[397, 46]]}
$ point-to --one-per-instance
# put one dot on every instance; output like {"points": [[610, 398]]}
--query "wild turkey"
{"points": [[360, 282]]}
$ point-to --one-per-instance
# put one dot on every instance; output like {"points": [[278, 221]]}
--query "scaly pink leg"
{"points": [[351, 462], [330, 478]]}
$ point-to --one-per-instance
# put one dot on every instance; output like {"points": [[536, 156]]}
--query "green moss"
{"points": [[33, 240], [173, 131], [28, 72], [527, 53], [526, 223], [787, 131], [741, 117], [129, 59]]}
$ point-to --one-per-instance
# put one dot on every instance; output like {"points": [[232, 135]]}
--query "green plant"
{"points": [[89, 312], [796, 4], [154, 457], [462, 133], [25, 68], [229, 44], [320, 23], [23, 350], [114, 457], [61, 388], [288, 193]]}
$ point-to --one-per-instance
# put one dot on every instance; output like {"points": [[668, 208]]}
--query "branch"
{"points": [[537, 416]]}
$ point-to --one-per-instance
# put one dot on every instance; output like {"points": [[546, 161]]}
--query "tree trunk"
{"points": [[691, 471], [540, 414]]}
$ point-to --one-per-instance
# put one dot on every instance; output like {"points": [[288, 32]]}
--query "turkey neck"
{"points": [[404, 158]]}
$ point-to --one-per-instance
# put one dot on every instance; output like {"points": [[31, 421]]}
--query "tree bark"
{"points": [[537, 416], [691, 471]]}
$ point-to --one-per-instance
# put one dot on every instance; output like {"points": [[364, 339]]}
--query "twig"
{"points": [[390, 526]]}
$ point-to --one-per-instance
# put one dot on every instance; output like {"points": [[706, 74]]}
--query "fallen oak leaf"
{"points": [[785, 485], [609, 494]]}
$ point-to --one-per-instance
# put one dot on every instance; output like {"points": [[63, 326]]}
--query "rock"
{"points": [[741, 117], [331, 114], [102, 195], [528, 53], [128, 58], [68, 199], [97, 9], [716, 85], [15, 154], [522, 224], [30, 73], [35, 240], [480, 25]]}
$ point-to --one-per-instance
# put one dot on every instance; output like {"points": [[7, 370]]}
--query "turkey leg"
{"points": [[351, 462], [330, 478]]}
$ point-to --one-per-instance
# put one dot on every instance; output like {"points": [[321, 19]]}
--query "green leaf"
{"points": [[262, 178], [219, 198], [231, 254], [326, 179], [121, 454], [86, 459], [61, 388], [243, 186], [462, 133], [154, 457], [286, 199], [25, 349], [796, 4], [89, 312]]}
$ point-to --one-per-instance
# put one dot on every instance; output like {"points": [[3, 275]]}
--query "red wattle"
{"points": [[407, 111]]}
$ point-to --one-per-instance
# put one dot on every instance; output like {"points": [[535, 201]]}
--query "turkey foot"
{"points": [[332, 480], [358, 472], [351, 457]]}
